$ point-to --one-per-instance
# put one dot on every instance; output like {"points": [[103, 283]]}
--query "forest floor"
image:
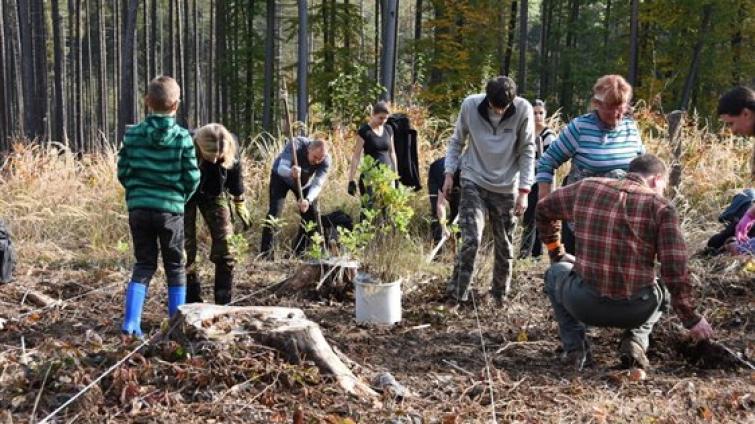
{"points": [[48, 355]]}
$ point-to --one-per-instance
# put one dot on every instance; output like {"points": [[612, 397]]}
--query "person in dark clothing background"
{"points": [[220, 173], [438, 202], [531, 245], [313, 164], [375, 139]]}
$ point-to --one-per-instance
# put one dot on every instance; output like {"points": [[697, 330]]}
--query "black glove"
{"points": [[352, 188]]}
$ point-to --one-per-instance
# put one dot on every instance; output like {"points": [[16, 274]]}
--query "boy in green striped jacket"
{"points": [[157, 166]]}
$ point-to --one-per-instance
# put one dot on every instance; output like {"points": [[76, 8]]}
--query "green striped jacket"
{"points": [[157, 165]]}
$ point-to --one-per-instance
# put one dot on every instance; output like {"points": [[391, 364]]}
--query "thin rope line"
{"points": [[485, 357], [108, 371]]}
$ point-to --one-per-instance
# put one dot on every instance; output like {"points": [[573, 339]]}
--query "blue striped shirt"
{"points": [[592, 147]]}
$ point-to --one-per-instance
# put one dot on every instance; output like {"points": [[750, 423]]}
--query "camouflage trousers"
{"points": [[217, 215], [475, 203]]}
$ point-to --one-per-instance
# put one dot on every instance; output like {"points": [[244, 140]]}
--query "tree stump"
{"points": [[324, 279], [285, 329]]}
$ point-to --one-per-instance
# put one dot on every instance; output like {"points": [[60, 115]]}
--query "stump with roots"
{"points": [[285, 329], [330, 278]]}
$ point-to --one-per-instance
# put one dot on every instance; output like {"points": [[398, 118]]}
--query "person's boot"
{"points": [[176, 298], [223, 284], [193, 288], [632, 354], [132, 316]]}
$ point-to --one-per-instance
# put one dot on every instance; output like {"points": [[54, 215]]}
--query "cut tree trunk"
{"points": [[330, 278], [285, 329]]}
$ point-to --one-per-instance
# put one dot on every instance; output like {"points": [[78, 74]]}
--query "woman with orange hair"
{"points": [[600, 143]]}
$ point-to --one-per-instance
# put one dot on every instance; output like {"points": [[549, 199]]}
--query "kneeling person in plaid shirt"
{"points": [[621, 227]]}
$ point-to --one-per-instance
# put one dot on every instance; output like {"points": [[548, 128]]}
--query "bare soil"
{"points": [[48, 355]]}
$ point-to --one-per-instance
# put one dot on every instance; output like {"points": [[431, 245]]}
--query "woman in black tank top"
{"points": [[376, 140]]}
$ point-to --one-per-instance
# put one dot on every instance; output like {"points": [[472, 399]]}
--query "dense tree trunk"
{"points": [[180, 68], [221, 104], [377, 40], [329, 56], [27, 59], [388, 57], [148, 42], [521, 78], [117, 56], [607, 28], [567, 85], [102, 106], [4, 121], [195, 57], [633, 41], [302, 95], [16, 67], [510, 41], [211, 66], [59, 120], [152, 50], [127, 111], [545, 23], [188, 89], [417, 38], [269, 87], [689, 82], [736, 45]]}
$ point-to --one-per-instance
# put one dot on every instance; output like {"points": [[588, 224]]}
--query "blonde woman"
{"points": [[220, 175], [601, 143]]}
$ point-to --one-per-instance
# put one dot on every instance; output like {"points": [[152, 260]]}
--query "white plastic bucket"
{"points": [[377, 303]]}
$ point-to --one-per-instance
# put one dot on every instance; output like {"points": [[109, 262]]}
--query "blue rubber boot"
{"points": [[176, 298], [132, 317]]}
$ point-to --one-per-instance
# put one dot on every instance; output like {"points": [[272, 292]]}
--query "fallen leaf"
{"points": [[522, 336], [705, 413]]}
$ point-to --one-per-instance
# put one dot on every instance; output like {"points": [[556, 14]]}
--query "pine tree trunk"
{"points": [[170, 64], [89, 87], [510, 40], [4, 121], [544, 34], [102, 105], [522, 74], [388, 58], [152, 50], [377, 40], [269, 89], [689, 82], [210, 101], [195, 57], [17, 46], [117, 49], [633, 42], [78, 96], [417, 37], [189, 93], [127, 111], [567, 85], [59, 120], [607, 28], [302, 97], [148, 43], [27, 61], [180, 68], [221, 104]]}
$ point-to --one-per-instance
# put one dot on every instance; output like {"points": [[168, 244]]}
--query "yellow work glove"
{"points": [[239, 208]]}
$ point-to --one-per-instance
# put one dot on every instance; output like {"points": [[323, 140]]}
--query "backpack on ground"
{"points": [[7, 255], [332, 221]]}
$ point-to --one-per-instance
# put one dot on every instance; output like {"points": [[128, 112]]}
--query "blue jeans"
{"points": [[577, 304]]}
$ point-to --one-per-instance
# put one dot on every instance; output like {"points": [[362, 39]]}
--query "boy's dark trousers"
{"points": [[278, 191], [531, 245], [154, 231], [217, 216]]}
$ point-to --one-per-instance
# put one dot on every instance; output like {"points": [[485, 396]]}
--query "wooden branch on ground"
{"points": [[38, 298], [286, 329]]}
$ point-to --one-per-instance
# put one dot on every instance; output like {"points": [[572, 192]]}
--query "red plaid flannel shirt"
{"points": [[621, 226]]}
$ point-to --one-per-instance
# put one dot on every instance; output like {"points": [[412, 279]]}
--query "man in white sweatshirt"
{"points": [[493, 145]]}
